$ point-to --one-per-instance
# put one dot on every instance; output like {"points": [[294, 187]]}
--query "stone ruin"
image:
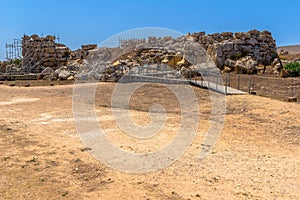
{"points": [[242, 52], [260, 46], [227, 48], [42, 52]]}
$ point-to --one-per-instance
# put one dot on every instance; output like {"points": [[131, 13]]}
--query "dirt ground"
{"points": [[42, 157]]}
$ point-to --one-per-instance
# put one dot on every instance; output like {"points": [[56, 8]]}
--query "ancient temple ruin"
{"points": [[42, 52]]}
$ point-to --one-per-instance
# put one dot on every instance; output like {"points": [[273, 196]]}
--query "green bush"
{"points": [[293, 68], [17, 61]]}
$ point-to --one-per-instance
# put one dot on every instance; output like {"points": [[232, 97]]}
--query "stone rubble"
{"points": [[241, 52], [282, 52], [105, 63]]}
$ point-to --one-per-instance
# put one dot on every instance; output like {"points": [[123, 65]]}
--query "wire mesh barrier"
{"points": [[268, 86], [161, 73]]}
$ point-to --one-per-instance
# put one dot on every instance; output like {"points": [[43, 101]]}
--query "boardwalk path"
{"points": [[197, 83]]}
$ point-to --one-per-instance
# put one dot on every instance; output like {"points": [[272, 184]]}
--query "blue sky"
{"points": [[81, 22]]}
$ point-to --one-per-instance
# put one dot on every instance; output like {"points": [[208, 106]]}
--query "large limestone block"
{"points": [[246, 65]]}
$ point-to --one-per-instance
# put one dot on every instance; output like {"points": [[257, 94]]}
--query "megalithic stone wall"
{"points": [[226, 49], [260, 45], [42, 52]]}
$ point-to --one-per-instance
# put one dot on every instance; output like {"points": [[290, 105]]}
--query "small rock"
{"points": [[64, 75], [227, 69], [47, 71], [5, 158], [71, 78], [65, 193], [85, 149], [292, 99]]}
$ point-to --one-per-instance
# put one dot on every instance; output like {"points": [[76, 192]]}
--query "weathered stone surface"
{"points": [[227, 46], [227, 34], [252, 42], [61, 50], [12, 69], [239, 35], [39, 52], [259, 45], [88, 47], [64, 75], [246, 49], [70, 78], [246, 65], [47, 71], [50, 38], [282, 52], [229, 52], [254, 32], [35, 37], [230, 63], [227, 69]]}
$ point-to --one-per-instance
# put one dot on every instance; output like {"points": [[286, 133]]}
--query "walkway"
{"points": [[197, 83]]}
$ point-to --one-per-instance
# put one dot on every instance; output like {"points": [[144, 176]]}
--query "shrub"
{"points": [[293, 68], [17, 61]]}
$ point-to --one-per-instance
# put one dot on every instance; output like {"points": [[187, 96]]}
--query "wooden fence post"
{"points": [[239, 79], [249, 85]]}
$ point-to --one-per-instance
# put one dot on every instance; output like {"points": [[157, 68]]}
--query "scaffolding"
{"points": [[14, 50], [125, 42], [56, 38]]}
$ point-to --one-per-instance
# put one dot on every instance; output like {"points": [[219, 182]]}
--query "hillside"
{"points": [[292, 49]]}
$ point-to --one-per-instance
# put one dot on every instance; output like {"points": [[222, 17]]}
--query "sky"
{"points": [[91, 21]]}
